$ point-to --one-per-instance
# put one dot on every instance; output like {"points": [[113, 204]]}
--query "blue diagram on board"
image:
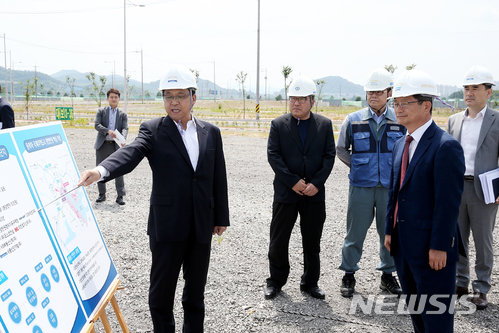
{"points": [[46, 283], [31, 296], [55, 273], [37, 329], [52, 318], [15, 313]]}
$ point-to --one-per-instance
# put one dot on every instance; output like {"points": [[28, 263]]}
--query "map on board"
{"points": [[54, 264]]}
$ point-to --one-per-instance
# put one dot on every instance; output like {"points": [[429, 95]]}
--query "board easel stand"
{"points": [[101, 312]]}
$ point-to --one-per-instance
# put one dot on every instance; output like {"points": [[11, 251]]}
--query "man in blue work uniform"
{"points": [[365, 145]]}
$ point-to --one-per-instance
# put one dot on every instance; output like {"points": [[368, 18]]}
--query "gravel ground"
{"points": [[239, 265]]}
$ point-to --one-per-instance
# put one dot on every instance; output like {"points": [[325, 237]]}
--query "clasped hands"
{"points": [[303, 188]]}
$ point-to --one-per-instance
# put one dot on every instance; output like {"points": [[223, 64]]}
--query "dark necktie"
{"points": [[403, 169]]}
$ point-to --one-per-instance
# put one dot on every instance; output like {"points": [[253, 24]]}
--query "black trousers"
{"points": [[312, 217], [101, 154], [167, 258]]}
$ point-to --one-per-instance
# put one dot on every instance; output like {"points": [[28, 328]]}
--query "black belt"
{"points": [[469, 178], [107, 141]]}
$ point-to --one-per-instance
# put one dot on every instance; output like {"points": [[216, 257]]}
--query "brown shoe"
{"points": [[460, 291], [480, 300]]}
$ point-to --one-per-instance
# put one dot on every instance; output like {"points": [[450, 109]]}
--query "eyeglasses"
{"points": [[402, 105], [302, 100], [178, 98], [377, 93]]}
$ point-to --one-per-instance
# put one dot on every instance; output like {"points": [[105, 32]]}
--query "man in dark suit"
{"points": [[301, 152], [109, 120], [188, 200], [477, 129], [426, 184], [6, 114]]}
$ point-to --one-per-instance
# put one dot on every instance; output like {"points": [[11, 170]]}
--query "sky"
{"points": [[316, 38]]}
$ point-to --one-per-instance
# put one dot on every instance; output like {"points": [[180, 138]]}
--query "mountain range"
{"points": [[335, 87]]}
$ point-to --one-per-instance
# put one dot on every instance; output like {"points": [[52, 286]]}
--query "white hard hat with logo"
{"points": [[302, 86], [178, 77], [478, 75], [378, 80], [414, 82]]}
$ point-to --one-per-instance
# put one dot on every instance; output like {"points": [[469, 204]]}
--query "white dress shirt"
{"points": [[469, 138], [417, 135], [190, 138]]}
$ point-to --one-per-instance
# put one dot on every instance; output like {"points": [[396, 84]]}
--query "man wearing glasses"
{"points": [[477, 129], [365, 145], [426, 184], [301, 152], [188, 200]]}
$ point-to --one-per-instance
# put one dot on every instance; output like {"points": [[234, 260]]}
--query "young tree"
{"points": [[29, 91], [70, 83], [409, 67], [97, 87], [130, 87], [391, 68], [320, 84], [241, 77], [286, 70], [196, 73]]}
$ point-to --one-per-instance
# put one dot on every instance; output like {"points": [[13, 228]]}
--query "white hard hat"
{"points": [[478, 75], [378, 80], [178, 77], [414, 82], [302, 86]]}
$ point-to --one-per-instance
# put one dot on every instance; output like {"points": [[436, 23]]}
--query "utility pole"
{"points": [[5, 54], [142, 72], [11, 83], [124, 53], [36, 87], [258, 67]]}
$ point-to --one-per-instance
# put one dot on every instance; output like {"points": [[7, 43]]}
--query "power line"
{"points": [[68, 11]]}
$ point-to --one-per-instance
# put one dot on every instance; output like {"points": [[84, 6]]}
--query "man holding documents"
{"points": [[477, 129], [111, 124]]}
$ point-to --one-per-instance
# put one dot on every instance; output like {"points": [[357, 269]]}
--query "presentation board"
{"points": [[54, 265]]}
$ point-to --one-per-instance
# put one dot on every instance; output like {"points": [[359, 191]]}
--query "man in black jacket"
{"points": [[301, 152], [188, 198]]}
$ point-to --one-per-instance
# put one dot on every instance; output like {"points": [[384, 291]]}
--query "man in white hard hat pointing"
{"points": [[301, 152], [188, 198], [477, 129], [365, 145]]}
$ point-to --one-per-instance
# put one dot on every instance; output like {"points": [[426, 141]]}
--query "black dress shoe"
{"points": [[480, 300], [460, 291], [390, 284], [119, 200], [271, 292], [101, 198], [315, 292], [347, 285]]}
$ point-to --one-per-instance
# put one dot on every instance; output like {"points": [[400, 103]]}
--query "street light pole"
{"points": [[142, 72], [124, 44], [5, 54], [114, 69]]}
